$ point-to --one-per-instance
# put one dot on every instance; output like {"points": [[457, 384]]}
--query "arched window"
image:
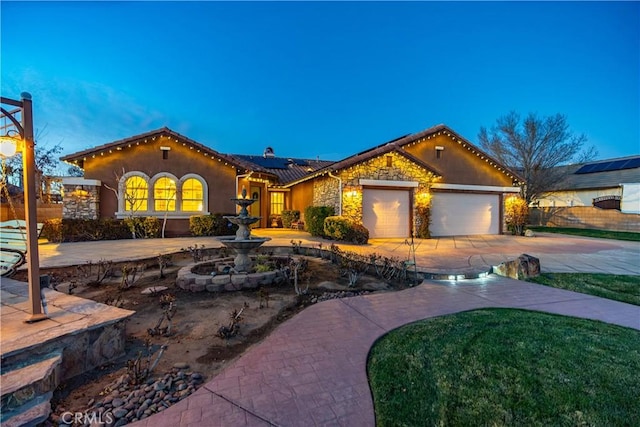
{"points": [[192, 195], [135, 195], [164, 194]]}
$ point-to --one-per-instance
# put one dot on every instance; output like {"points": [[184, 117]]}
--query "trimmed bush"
{"points": [[340, 228], [314, 219], [359, 234], [211, 225], [516, 212], [84, 230], [336, 227], [289, 216], [147, 227], [52, 230]]}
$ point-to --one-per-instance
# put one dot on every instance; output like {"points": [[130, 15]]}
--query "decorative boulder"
{"points": [[521, 269], [529, 233]]}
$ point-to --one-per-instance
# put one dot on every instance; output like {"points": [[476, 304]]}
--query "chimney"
{"points": [[268, 153]]}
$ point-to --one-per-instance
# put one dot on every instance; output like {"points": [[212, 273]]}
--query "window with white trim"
{"points": [[136, 193], [162, 194], [192, 195], [165, 194]]}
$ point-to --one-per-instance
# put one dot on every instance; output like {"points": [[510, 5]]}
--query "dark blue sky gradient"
{"points": [[325, 79]]}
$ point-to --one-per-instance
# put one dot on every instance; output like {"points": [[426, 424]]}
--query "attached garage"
{"points": [[386, 212], [461, 214]]}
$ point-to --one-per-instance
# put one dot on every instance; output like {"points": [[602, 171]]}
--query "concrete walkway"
{"points": [[311, 371]]}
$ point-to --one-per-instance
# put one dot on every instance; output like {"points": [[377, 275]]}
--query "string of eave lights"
{"points": [[469, 148], [430, 174], [152, 139]]}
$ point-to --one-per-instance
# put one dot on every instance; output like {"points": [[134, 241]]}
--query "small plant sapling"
{"points": [[232, 330]]}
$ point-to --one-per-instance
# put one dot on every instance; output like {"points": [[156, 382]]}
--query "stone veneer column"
{"points": [[81, 198]]}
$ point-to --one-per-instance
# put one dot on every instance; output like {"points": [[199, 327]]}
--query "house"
{"points": [[608, 184], [603, 194], [163, 173]]}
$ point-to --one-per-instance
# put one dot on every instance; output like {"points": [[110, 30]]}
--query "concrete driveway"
{"points": [[444, 255]]}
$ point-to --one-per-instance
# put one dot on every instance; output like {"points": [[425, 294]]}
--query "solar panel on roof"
{"points": [[585, 169], [273, 162], [631, 163], [610, 166], [601, 167]]}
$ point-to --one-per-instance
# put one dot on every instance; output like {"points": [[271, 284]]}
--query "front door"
{"points": [[254, 210]]}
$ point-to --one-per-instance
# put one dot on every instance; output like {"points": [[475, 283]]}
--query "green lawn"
{"points": [[603, 234], [506, 368], [615, 287]]}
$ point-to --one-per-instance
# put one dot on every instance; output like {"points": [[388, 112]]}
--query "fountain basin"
{"points": [[198, 277], [242, 247]]}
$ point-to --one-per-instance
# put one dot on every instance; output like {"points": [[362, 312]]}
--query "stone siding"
{"points": [[585, 217], [325, 193], [81, 202], [325, 189]]}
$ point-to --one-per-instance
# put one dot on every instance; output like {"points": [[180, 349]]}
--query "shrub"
{"points": [[340, 228], [336, 227], [83, 230], [289, 216], [423, 219], [359, 234], [211, 225], [314, 219], [516, 213], [144, 227], [150, 227], [52, 230], [112, 229]]}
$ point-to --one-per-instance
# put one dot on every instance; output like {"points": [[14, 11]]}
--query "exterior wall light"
{"points": [[10, 145], [80, 192]]}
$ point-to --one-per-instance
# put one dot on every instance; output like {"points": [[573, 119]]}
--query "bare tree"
{"points": [[46, 162], [534, 147]]}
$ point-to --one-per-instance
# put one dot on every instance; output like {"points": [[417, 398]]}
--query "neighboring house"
{"points": [[606, 184], [163, 173]]}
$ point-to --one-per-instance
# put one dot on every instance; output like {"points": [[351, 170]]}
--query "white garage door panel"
{"points": [[455, 214], [385, 213]]}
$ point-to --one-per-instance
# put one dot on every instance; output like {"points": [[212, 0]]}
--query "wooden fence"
{"points": [[44, 212]]}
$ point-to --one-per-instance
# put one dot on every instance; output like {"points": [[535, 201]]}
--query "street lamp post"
{"points": [[29, 182]]}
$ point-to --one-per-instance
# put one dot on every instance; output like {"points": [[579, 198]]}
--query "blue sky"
{"points": [[320, 79]]}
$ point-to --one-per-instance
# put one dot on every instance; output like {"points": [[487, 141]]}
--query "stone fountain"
{"points": [[242, 243]]}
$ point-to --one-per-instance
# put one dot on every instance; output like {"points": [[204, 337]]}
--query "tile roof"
{"points": [[78, 157], [290, 171], [397, 145], [286, 169]]}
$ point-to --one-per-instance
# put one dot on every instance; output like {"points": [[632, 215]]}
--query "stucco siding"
{"points": [[575, 198], [148, 159], [457, 164]]}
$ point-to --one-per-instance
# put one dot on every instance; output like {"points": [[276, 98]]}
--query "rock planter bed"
{"points": [[219, 276], [126, 403]]}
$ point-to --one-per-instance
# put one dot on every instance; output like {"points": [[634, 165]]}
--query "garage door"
{"points": [[385, 213], [458, 214]]}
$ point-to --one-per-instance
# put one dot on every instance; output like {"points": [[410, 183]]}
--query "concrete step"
{"points": [[27, 390]]}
